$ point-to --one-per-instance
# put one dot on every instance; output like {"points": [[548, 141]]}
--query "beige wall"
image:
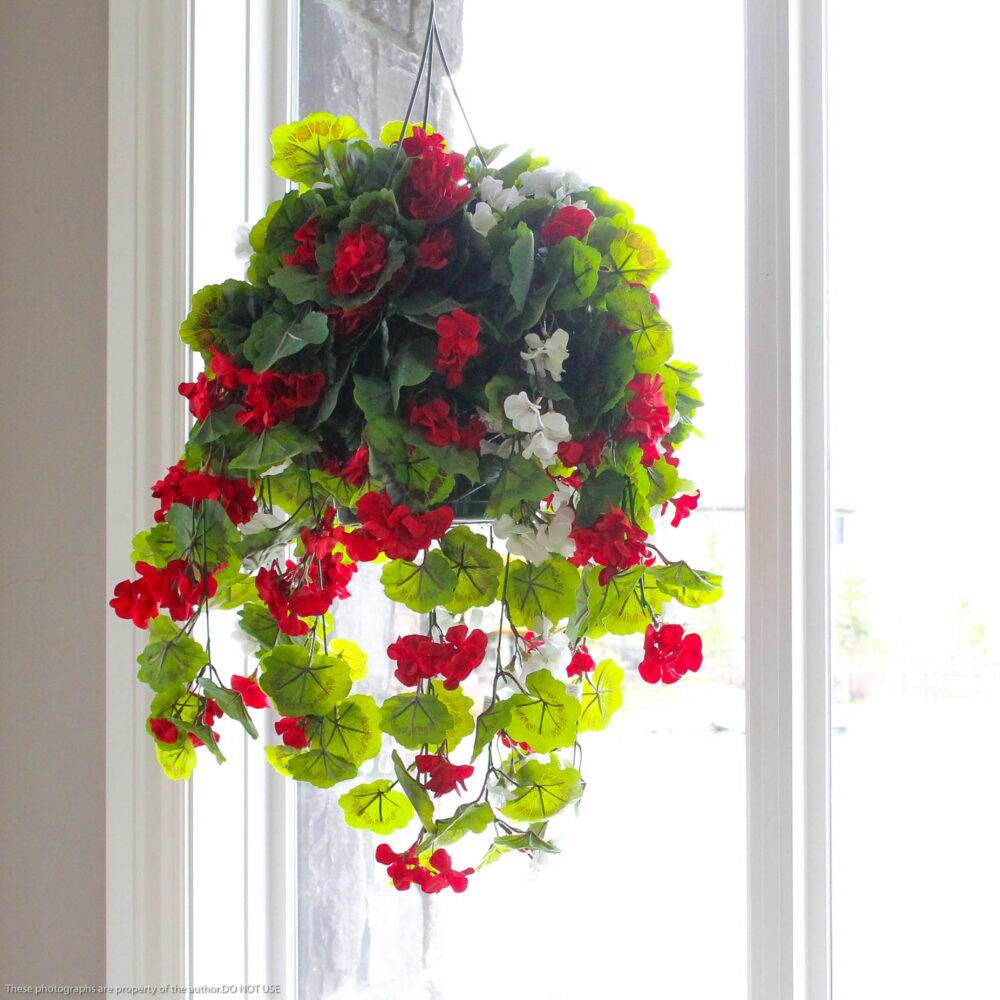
{"points": [[53, 168]]}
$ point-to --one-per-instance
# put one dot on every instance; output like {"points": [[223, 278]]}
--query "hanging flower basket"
{"points": [[421, 338]]}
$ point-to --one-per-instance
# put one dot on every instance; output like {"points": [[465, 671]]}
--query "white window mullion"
{"points": [[787, 506]]}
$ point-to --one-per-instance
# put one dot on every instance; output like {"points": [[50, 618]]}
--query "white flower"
{"points": [[497, 196], [551, 652], [525, 415], [262, 521], [542, 447], [544, 182], [241, 237], [553, 535], [482, 219], [548, 355]]}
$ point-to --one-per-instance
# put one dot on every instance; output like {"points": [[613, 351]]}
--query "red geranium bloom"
{"points": [[568, 221], [250, 692], [444, 776], [650, 415], [683, 506], [419, 657], [273, 398], [359, 258], [613, 542], [355, 471], [436, 186], [164, 730], [440, 427], [471, 435], [203, 395], [582, 663], [433, 249], [292, 731], [178, 587], [406, 870], [446, 875], [458, 333], [133, 599], [180, 486], [305, 253], [669, 654], [212, 711], [305, 589], [400, 533], [420, 142], [586, 452]]}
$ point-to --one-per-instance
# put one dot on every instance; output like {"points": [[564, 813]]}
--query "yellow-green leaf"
{"points": [[542, 790], [546, 717], [547, 589], [602, 695], [376, 806], [298, 146]]}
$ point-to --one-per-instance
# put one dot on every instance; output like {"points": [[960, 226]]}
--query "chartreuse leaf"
{"points": [[415, 792], [320, 767], [231, 703], [156, 546], [602, 695], [171, 658], [473, 817], [376, 807], [353, 655], [489, 723], [547, 589], [298, 146], [351, 729], [662, 482], [275, 337], [420, 587], [415, 719], [542, 791], [546, 717], [521, 479], [177, 759], [522, 262], [687, 586], [279, 756], [460, 709], [476, 566], [530, 841], [635, 255], [272, 447], [617, 607], [200, 330], [652, 337], [304, 684]]}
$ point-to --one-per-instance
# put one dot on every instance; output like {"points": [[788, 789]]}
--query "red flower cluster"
{"points": [[176, 587], [360, 257], [586, 452], [354, 471], [305, 253], [650, 416], [568, 221], [419, 657], [273, 398], [444, 776], [582, 663], [305, 589], [183, 487], [292, 731], [167, 732], [406, 870], [249, 691], [207, 394], [436, 186], [458, 333], [614, 542], [433, 249], [399, 533], [683, 506], [669, 654], [442, 428]]}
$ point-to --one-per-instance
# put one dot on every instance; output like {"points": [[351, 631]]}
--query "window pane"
{"points": [[655, 116], [914, 212]]}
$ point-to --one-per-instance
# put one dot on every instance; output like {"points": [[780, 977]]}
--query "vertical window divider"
{"points": [[787, 602]]}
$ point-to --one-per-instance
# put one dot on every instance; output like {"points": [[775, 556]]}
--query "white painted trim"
{"points": [[147, 294], [787, 676]]}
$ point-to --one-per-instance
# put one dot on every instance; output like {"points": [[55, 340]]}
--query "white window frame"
{"points": [[787, 603]]}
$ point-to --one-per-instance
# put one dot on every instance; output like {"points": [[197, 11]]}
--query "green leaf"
{"points": [[376, 807], [420, 587], [320, 768], [351, 729], [207, 533], [373, 396], [259, 624], [411, 365], [453, 460], [547, 589], [522, 263], [415, 792], [353, 655], [596, 494], [460, 709], [171, 658], [546, 717], [602, 695], [521, 479], [156, 546], [300, 684], [231, 703], [272, 447], [476, 566], [529, 841], [489, 723], [543, 790], [299, 285], [414, 720], [275, 337], [279, 756], [652, 338], [204, 733], [690, 587], [407, 472], [578, 267], [473, 817], [217, 424], [617, 607], [177, 759], [635, 255]]}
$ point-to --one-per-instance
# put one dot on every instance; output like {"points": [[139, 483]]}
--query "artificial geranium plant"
{"points": [[423, 337]]}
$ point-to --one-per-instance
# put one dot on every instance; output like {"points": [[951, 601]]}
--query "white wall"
{"points": [[53, 217]]}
